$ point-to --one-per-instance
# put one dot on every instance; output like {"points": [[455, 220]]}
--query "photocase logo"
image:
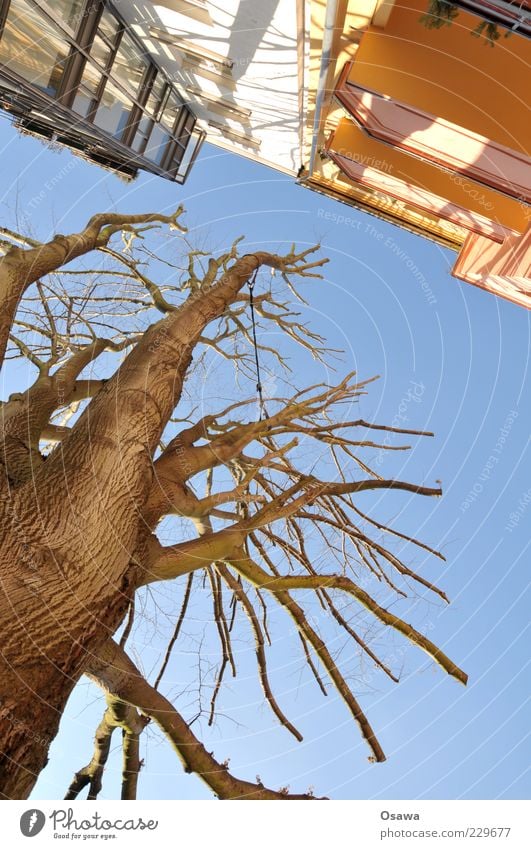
{"points": [[32, 822]]}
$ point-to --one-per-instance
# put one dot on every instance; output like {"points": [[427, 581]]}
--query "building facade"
{"points": [[422, 116]]}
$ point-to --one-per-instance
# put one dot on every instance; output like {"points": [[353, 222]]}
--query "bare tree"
{"points": [[117, 434]]}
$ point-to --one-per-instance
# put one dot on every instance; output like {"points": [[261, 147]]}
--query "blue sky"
{"points": [[452, 359]]}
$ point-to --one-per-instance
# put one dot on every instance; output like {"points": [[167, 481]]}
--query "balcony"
{"points": [[435, 140], [504, 269]]}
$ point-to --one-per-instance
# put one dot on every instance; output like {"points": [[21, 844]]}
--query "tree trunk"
{"points": [[66, 574]]}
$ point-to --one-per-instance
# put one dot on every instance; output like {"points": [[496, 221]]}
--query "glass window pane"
{"points": [[144, 125], [155, 99], [100, 51], [184, 162], [142, 132], [92, 77], [129, 65], [83, 102], [171, 110], [113, 111], [68, 11], [32, 48], [87, 90], [108, 26], [157, 145]]}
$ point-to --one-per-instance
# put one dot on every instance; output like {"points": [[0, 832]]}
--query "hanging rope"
{"points": [[261, 404]]}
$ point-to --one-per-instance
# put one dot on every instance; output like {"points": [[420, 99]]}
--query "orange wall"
{"points": [[354, 143], [449, 73]]}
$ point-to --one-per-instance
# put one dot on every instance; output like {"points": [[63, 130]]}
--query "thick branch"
{"points": [[19, 267], [118, 714], [260, 578], [166, 562], [92, 773]]}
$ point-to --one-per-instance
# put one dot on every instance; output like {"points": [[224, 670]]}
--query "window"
{"points": [[181, 167], [101, 51], [87, 93], [170, 111], [108, 26], [152, 101], [142, 134], [68, 11], [129, 67], [83, 57], [157, 145], [183, 131], [157, 96], [33, 48]]}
